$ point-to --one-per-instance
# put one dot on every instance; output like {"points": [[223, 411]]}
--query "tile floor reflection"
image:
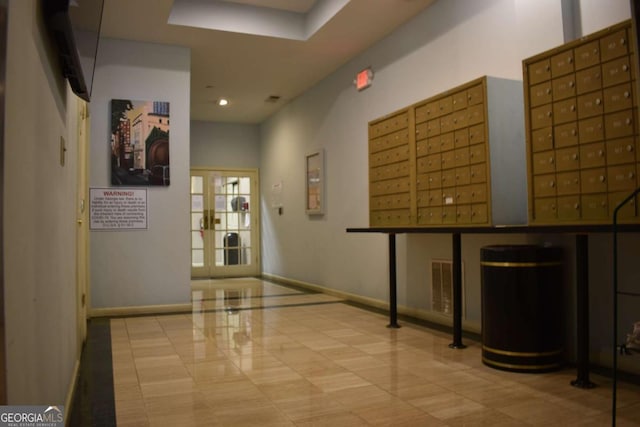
{"points": [[254, 353]]}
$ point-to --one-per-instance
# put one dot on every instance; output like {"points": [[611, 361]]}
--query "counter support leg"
{"points": [[393, 303], [582, 312], [457, 291]]}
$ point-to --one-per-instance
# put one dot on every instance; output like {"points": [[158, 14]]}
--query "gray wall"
{"points": [[147, 267], [225, 145], [450, 43], [39, 217]]}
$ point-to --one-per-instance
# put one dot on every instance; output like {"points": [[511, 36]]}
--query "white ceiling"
{"points": [[247, 68]]}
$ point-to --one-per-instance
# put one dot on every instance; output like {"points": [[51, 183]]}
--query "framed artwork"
{"points": [[314, 167], [139, 143]]}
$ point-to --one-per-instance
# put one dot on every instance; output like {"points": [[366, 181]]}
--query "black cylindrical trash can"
{"points": [[522, 328]]}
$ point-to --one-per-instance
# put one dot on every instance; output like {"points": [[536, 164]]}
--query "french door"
{"points": [[225, 235]]}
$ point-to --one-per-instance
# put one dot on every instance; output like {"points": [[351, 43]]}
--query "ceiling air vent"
{"points": [[272, 99]]}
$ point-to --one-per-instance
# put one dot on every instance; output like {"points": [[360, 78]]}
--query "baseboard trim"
{"points": [[425, 315], [140, 310], [68, 401]]}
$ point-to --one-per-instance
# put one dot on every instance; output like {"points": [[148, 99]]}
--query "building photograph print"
{"points": [[139, 142]]}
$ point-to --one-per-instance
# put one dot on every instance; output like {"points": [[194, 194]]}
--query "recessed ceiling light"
{"points": [[222, 102]]}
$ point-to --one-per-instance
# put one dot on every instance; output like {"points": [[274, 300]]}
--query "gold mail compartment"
{"points": [[425, 112], [569, 208], [460, 100], [430, 216], [628, 211], [477, 153], [618, 98], [394, 170], [620, 151], [542, 139], [590, 105], [545, 208], [478, 193], [449, 215], [463, 214], [544, 162], [448, 159], [445, 106], [392, 140], [390, 218], [622, 178], [389, 125], [434, 180], [566, 135], [614, 45], [544, 185], [460, 119], [540, 94], [446, 141], [593, 180], [476, 114], [448, 178], [591, 130], [592, 155], [463, 194], [565, 111], [389, 156], [461, 156], [478, 173], [568, 183], [475, 95], [476, 134], [568, 159], [564, 87], [463, 175], [421, 131], [433, 127], [446, 123], [589, 80], [394, 201], [461, 138], [616, 72], [619, 124], [479, 213], [391, 186], [594, 206], [430, 163], [542, 117], [429, 198], [587, 55], [562, 63], [539, 71]]}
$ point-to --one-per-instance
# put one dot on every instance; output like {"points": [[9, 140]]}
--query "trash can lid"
{"points": [[521, 253]]}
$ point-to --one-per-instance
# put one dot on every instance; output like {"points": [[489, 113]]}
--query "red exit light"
{"points": [[364, 79]]}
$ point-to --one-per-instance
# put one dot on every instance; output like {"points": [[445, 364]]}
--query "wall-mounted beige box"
{"points": [[457, 158]]}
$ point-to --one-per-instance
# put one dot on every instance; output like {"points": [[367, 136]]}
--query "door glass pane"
{"points": [[197, 221], [197, 240], [245, 238], [197, 258], [220, 204], [197, 203], [246, 256], [196, 184], [244, 186]]}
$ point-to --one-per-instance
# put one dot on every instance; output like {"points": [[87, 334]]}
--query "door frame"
{"points": [[256, 252], [82, 220]]}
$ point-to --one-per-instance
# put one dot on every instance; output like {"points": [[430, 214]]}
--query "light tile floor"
{"points": [[253, 353]]}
